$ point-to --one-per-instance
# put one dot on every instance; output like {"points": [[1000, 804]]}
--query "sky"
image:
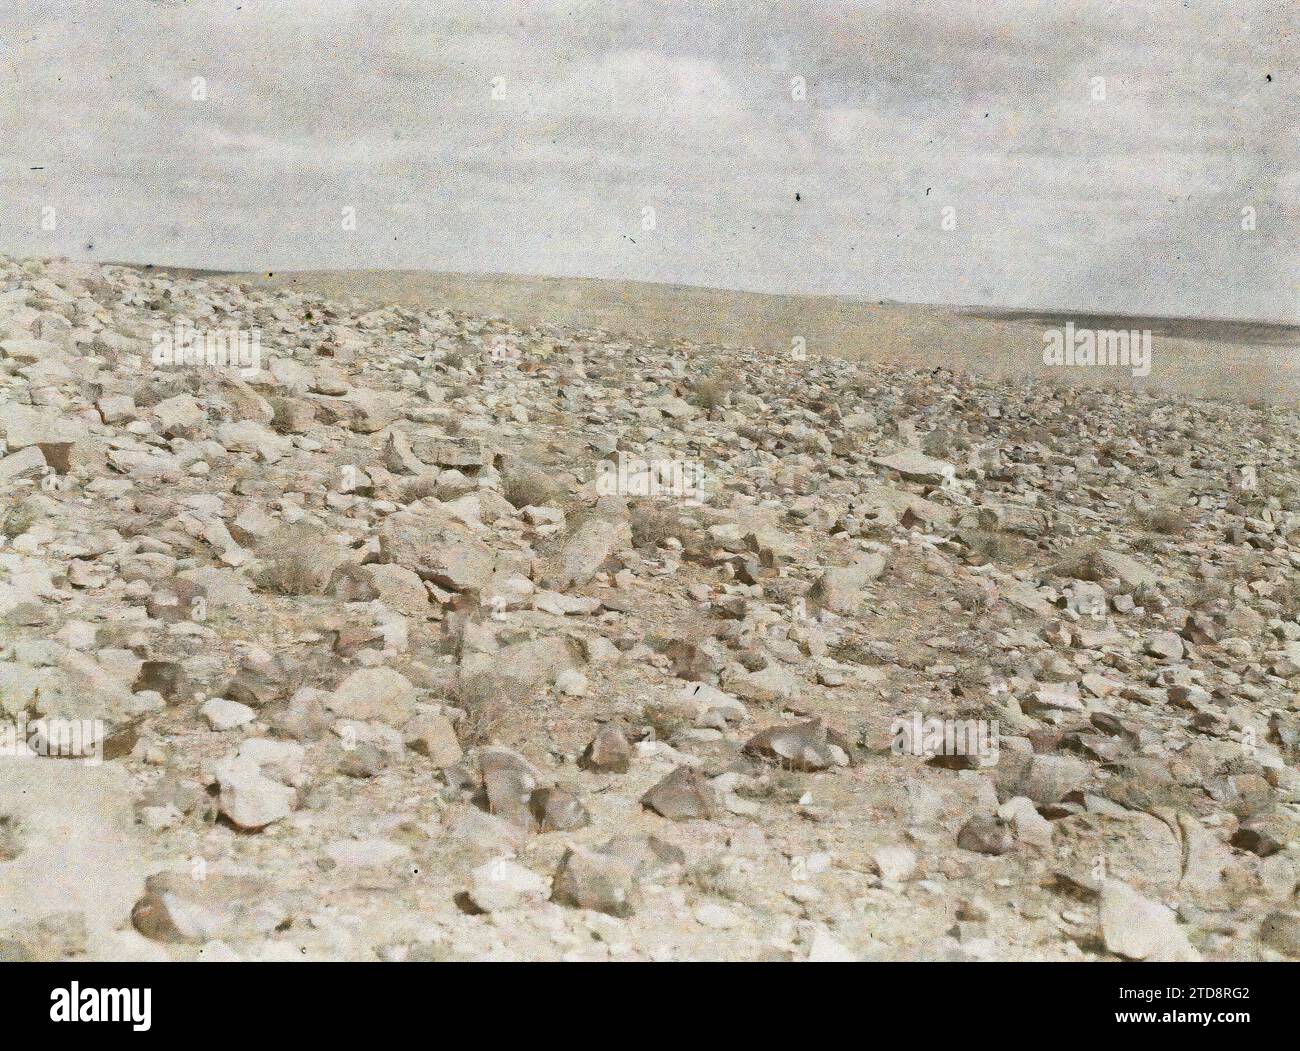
{"points": [[1136, 157]]}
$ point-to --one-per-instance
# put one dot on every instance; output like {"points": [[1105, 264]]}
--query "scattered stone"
{"points": [[841, 589], [558, 810], [825, 948], [249, 799], [801, 746], [986, 834], [395, 551], [501, 885], [684, 795], [177, 906], [917, 467], [609, 752], [509, 782], [586, 879], [374, 693], [895, 864], [1139, 929], [433, 735], [222, 714]]}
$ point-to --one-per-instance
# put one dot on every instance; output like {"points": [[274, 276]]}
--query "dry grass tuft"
{"points": [[17, 520], [530, 488], [291, 560], [653, 522], [710, 393], [1164, 519]]}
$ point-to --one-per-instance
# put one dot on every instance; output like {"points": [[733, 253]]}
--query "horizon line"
{"points": [[857, 298]]}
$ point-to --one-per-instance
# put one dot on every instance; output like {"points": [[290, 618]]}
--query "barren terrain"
{"points": [[418, 640]]}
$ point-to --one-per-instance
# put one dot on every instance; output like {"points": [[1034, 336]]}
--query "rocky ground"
{"points": [[384, 663]]}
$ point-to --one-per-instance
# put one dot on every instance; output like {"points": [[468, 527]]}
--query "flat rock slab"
{"points": [[69, 844]]}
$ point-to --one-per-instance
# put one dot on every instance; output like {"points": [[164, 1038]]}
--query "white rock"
{"points": [[364, 853], [222, 714], [895, 864], [502, 884], [250, 799], [571, 683], [1140, 929], [825, 949]]}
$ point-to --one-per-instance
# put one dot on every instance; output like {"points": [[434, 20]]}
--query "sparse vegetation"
{"points": [[994, 545], [530, 488], [653, 522], [710, 393], [1207, 594], [485, 708], [1164, 519], [17, 520], [291, 560], [654, 713], [715, 877], [974, 599], [779, 785], [419, 487], [665, 721], [11, 843]]}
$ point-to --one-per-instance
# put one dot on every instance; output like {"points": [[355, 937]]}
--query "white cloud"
{"points": [[1128, 203]]}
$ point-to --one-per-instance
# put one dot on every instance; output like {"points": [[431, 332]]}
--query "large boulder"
{"points": [[436, 552], [68, 845]]}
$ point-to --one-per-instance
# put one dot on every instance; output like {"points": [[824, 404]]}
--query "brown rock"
{"points": [[586, 879], [682, 795], [800, 746], [558, 810], [986, 834], [609, 752]]}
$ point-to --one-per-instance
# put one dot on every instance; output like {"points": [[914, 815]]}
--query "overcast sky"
{"points": [[1129, 202]]}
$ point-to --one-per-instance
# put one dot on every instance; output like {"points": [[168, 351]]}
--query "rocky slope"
{"points": [[433, 638]]}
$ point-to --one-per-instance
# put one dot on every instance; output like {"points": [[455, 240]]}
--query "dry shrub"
{"points": [[1207, 594], [992, 545], [486, 700], [482, 723], [419, 487], [1165, 519], [11, 839], [530, 487], [779, 785], [665, 720], [653, 522], [292, 562], [973, 599], [1287, 597], [710, 393], [714, 877], [17, 520]]}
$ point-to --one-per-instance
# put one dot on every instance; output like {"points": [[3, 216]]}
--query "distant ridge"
{"points": [[1175, 325], [1206, 357]]}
